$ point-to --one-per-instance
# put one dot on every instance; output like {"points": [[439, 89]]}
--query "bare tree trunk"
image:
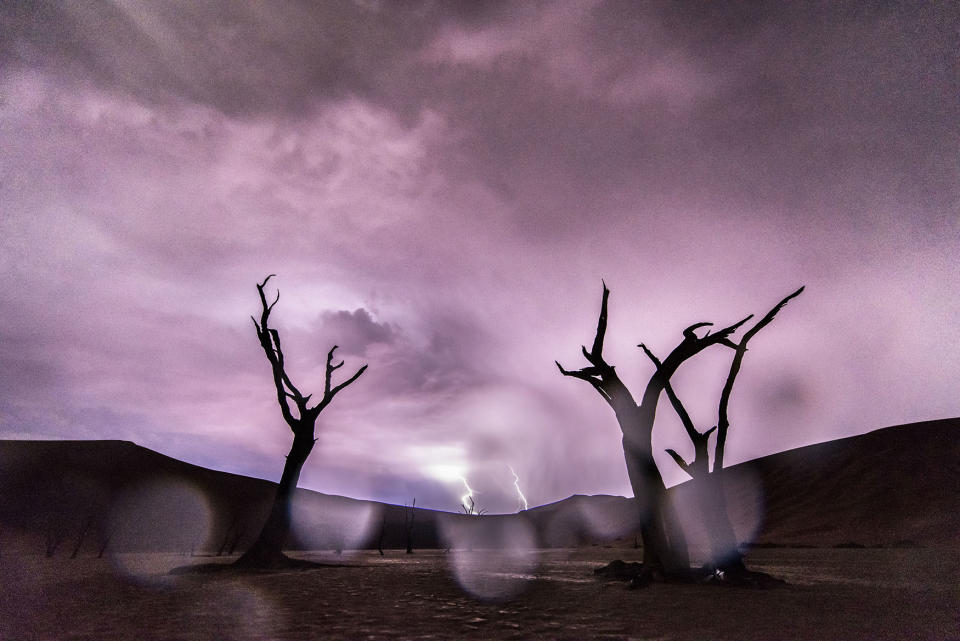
{"points": [[227, 534], [266, 551], [383, 531], [237, 536], [408, 517], [712, 501], [664, 544]]}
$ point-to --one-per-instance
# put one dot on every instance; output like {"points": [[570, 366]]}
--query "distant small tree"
{"points": [[383, 532], [233, 534], [84, 528], [301, 417], [56, 532], [409, 514], [470, 508], [104, 543]]}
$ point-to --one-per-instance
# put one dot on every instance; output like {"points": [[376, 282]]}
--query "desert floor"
{"points": [[832, 594]]}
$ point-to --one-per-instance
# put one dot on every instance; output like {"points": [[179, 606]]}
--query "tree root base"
{"points": [[637, 576]]}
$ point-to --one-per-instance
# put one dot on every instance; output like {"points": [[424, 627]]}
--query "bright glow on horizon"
{"points": [[445, 471]]}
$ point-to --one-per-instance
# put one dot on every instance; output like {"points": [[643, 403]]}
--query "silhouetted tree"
{"points": [[709, 491], [104, 543], [233, 533], [383, 532], [56, 532], [409, 514], [470, 508], [266, 551], [664, 544], [84, 528]]}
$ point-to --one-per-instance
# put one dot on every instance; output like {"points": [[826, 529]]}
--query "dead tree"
{"points": [[104, 543], [709, 491], [266, 551], [409, 514], [383, 532], [84, 528], [664, 545], [56, 532], [231, 535], [470, 508]]}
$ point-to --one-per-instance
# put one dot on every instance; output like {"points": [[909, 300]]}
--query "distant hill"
{"points": [[890, 486]]}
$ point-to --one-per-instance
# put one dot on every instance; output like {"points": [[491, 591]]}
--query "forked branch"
{"points": [[690, 346], [299, 413], [328, 391], [701, 462]]}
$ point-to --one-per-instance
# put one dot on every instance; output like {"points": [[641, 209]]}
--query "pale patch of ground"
{"points": [[833, 594]]}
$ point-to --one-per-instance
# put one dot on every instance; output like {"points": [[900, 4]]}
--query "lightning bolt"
{"points": [[516, 484], [468, 496]]}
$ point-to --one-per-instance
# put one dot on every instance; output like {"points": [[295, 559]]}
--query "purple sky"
{"points": [[439, 188]]}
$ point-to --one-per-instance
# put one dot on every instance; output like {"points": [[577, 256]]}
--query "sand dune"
{"points": [[890, 486]]}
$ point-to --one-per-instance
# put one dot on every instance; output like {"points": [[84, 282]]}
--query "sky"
{"points": [[439, 188]]}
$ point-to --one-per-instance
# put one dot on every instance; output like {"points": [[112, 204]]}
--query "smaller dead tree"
{"points": [[84, 528], [409, 514], [383, 532], [231, 535], [301, 417], [664, 543], [104, 543], [708, 484], [470, 508], [56, 532]]}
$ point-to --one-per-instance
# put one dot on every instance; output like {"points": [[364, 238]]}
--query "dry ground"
{"points": [[833, 594]]}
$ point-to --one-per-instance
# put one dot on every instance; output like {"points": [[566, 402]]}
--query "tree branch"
{"points": [[601, 375], [329, 390], [690, 346], [740, 349], [348, 381], [674, 400], [700, 461], [596, 352], [679, 459], [270, 342], [285, 389]]}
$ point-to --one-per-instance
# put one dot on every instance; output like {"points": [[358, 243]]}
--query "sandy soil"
{"points": [[833, 594]]}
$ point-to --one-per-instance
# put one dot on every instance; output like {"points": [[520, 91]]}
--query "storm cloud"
{"points": [[440, 188]]}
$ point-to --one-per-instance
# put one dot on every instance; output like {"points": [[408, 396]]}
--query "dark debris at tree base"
{"points": [[637, 576]]}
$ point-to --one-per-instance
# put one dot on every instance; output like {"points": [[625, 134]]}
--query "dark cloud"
{"points": [[242, 59], [440, 187], [355, 331]]}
